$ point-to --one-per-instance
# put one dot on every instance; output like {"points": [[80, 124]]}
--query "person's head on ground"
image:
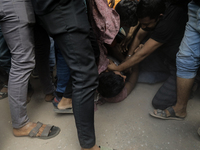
{"points": [[127, 12], [111, 83], [149, 13]]}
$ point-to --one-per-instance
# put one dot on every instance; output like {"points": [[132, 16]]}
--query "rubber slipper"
{"points": [[161, 114], [64, 111], [49, 131]]}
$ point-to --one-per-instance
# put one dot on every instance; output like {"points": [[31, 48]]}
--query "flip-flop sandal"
{"points": [[64, 111], [4, 94], [49, 131], [162, 115], [105, 148]]}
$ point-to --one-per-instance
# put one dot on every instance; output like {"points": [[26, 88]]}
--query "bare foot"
{"points": [[65, 103], [25, 130], [93, 148]]}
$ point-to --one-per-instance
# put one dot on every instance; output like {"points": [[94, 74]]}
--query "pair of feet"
{"points": [[173, 112]]}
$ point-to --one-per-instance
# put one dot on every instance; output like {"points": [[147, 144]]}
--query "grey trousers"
{"points": [[16, 20]]}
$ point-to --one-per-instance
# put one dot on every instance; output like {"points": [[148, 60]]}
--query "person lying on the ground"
{"points": [[165, 23], [114, 86]]}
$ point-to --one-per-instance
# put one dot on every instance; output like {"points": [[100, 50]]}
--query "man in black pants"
{"points": [[66, 21]]}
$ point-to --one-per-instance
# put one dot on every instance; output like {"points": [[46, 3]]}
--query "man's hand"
{"points": [[111, 3], [139, 48], [124, 44], [112, 66]]}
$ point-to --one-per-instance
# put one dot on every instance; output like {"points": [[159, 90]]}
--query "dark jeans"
{"points": [[156, 68], [69, 27]]}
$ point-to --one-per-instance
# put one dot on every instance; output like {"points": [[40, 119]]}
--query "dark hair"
{"points": [[150, 8], [110, 84], [127, 12]]}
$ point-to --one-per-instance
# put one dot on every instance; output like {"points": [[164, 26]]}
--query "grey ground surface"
{"points": [[123, 126]]}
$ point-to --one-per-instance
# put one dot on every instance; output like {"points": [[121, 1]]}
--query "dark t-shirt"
{"points": [[42, 7], [170, 30]]}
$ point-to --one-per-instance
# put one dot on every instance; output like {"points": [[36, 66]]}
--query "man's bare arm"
{"points": [[150, 46], [137, 40]]}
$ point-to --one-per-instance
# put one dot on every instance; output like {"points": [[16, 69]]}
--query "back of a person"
{"points": [[174, 18]]}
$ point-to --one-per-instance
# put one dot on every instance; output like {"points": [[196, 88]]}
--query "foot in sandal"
{"points": [[37, 130]]}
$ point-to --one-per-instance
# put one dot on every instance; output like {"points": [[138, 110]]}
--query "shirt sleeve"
{"points": [[164, 31]]}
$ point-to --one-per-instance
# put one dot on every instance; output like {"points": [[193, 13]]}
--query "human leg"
{"points": [[5, 64], [22, 63], [16, 26], [167, 94], [5, 56], [188, 61], [63, 72], [42, 51], [71, 34]]}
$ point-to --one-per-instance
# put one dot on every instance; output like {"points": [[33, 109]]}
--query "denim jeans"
{"points": [[63, 72], [52, 58], [188, 57]]}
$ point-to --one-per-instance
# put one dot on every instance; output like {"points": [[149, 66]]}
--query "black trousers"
{"points": [[69, 27]]}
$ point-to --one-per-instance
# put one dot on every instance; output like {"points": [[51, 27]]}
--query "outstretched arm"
{"points": [[150, 46], [141, 34]]}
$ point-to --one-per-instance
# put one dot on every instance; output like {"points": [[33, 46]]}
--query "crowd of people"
{"points": [[101, 49]]}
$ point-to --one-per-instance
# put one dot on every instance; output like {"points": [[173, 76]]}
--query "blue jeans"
{"points": [[188, 57], [52, 58], [63, 72]]}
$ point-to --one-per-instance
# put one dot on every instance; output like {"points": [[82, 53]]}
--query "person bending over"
{"points": [[162, 26]]}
